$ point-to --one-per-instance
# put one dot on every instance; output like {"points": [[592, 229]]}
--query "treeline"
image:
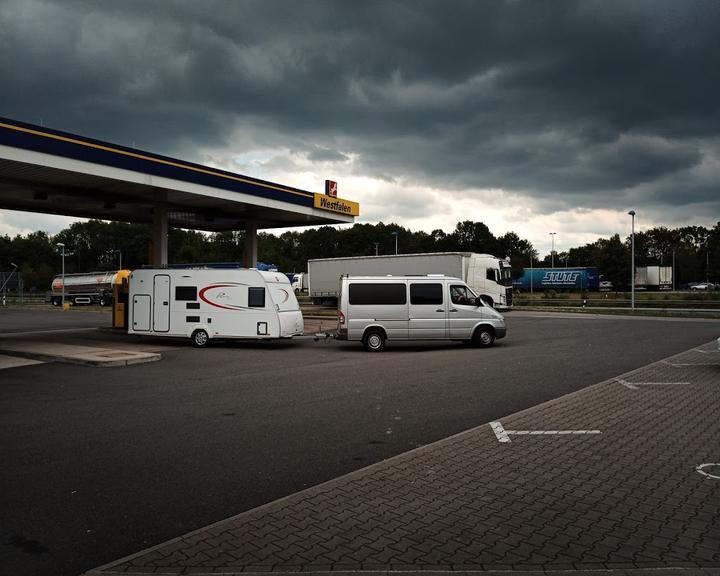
{"points": [[98, 245]]}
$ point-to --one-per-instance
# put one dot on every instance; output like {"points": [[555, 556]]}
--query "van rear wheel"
{"points": [[200, 339], [374, 340], [483, 337]]}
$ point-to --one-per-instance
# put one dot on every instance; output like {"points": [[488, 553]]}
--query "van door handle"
{"points": [[440, 310], [453, 310]]}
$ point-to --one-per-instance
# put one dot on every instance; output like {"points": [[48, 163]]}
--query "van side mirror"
{"points": [[478, 301]]}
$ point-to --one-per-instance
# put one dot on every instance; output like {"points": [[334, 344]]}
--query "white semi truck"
{"points": [[487, 275]]}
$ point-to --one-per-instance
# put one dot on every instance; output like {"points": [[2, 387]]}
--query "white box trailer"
{"points": [[654, 277], [203, 304], [490, 277]]}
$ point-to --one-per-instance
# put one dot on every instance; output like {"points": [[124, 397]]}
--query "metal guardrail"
{"points": [[619, 302]]}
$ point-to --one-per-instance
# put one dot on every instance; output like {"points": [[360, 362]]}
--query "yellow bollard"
{"points": [[66, 306]]}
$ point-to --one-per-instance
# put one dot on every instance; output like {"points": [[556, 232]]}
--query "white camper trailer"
{"points": [[203, 304]]}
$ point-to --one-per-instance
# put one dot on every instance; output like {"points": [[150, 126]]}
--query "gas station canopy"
{"points": [[52, 172]]}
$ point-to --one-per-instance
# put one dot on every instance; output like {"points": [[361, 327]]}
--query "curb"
{"points": [[109, 363]]}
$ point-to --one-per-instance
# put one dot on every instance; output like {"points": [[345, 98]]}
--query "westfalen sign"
{"points": [[338, 205]]}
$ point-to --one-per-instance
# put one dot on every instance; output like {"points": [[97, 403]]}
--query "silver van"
{"points": [[374, 309]]}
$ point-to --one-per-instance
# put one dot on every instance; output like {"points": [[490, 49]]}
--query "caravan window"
{"points": [[256, 297], [186, 293], [426, 294], [378, 294]]}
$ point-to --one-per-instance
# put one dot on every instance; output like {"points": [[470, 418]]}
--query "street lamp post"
{"points": [[7, 279], [707, 263], [552, 250], [632, 259], [62, 253], [531, 274], [396, 234]]}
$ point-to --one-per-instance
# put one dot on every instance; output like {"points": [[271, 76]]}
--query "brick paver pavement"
{"points": [[630, 493]]}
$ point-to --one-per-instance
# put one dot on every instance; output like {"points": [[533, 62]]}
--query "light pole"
{"points": [[62, 248], [707, 263], [376, 247], [7, 279], [552, 250], [396, 234], [531, 274], [119, 253], [632, 260]]}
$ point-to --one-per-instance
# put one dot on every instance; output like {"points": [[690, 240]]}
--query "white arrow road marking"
{"points": [[701, 470], [504, 435], [634, 385]]}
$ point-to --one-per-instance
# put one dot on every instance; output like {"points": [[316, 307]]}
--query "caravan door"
{"points": [[161, 303]]}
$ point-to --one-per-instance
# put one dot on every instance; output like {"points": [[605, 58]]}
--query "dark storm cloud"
{"points": [[574, 102]]}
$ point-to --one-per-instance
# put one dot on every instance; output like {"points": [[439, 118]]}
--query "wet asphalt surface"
{"points": [[98, 463]]}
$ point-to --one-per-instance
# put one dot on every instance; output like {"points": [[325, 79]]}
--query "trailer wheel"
{"points": [[483, 337], [374, 340], [200, 338]]}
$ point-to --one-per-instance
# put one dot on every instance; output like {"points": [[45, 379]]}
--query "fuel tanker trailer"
{"points": [[87, 288]]}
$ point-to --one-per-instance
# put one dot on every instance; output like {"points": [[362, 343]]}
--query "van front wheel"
{"points": [[374, 341], [483, 337], [200, 338]]}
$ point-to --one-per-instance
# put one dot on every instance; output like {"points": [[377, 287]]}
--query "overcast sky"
{"points": [[531, 116]]}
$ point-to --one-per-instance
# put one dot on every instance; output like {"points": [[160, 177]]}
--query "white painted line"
{"points": [[701, 470], [54, 331], [683, 364], [706, 351], [634, 385], [504, 435], [499, 432]]}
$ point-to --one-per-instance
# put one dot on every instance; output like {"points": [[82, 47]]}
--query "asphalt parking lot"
{"points": [[102, 462]]}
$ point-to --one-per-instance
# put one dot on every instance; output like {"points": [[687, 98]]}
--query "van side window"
{"points": [[460, 295], [188, 293], [377, 294], [256, 297], [426, 294]]}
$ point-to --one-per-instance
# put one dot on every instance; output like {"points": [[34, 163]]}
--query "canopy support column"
{"points": [[160, 233], [251, 245]]}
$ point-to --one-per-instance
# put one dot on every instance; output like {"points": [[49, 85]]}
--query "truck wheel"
{"points": [[374, 340], [483, 337], [200, 339]]}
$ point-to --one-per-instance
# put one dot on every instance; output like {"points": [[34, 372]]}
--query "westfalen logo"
{"points": [[337, 205]]}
